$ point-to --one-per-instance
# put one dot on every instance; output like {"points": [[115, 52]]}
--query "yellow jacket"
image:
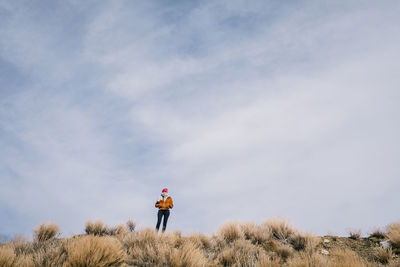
{"points": [[165, 204]]}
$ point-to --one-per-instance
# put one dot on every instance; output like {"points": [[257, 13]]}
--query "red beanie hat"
{"points": [[165, 190]]}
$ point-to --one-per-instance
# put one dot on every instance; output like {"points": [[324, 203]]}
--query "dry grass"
{"points": [[354, 234], [267, 261], [308, 260], [188, 255], [377, 233], [240, 253], [119, 231], [280, 228], [96, 228], [383, 255], [147, 248], [200, 240], [393, 233], [346, 257], [230, 231], [303, 242], [284, 251], [20, 244], [24, 261], [94, 251], [273, 243], [7, 256], [45, 231], [256, 234], [131, 225]]}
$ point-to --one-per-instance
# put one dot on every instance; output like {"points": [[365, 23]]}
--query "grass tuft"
{"points": [[230, 231], [131, 225], [44, 232], [239, 253], [118, 231], [187, 255], [272, 243], [7, 256], [24, 261], [256, 234], [346, 257], [308, 260], [94, 251], [354, 234], [383, 255], [393, 233], [284, 251], [377, 233], [97, 228], [280, 228]]}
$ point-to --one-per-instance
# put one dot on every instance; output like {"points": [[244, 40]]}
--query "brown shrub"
{"points": [[147, 237], [345, 257], [265, 260], [354, 234], [146, 248], [298, 242], [174, 239], [119, 231], [94, 251], [284, 251], [200, 240], [96, 228], [131, 225], [383, 255], [377, 233], [187, 255], [20, 244], [45, 231], [393, 233], [271, 245], [24, 261], [301, 242], [241, 253], [7, 256], [308, 260], [230, 231], [53, 252], [150, 255], [280, 228], [256, 234]]}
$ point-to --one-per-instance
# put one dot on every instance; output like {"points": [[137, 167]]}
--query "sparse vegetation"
{"points": [[393, 233], [230, 231], [131, 225], [274, 242], [96, 228], [46, 231], [383, 255], [346, 257], [7, 256], [354, 234], [280, 228], [377, 233], [94, 251]]}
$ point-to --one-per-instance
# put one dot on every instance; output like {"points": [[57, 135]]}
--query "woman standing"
{"points": [[164, 203]]}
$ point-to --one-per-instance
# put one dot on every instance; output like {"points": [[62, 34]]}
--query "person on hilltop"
{"points": [[163, 203]]}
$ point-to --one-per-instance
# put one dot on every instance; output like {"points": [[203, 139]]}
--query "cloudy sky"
{"points": [[245, 110]]}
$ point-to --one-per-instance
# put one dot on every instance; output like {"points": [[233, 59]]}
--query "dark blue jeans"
{"points": [[160, 214]]}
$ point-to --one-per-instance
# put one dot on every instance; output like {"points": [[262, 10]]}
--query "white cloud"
{"points": [[243, 111]]}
